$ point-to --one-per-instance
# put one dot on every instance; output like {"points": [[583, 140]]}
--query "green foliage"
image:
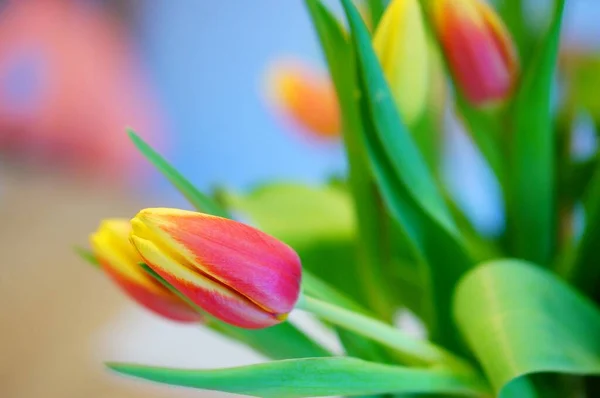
{"points": [[520, 319], [199, 200], [390, 238], [407, 185], [531, 214], [371, 242], [314, 377]]}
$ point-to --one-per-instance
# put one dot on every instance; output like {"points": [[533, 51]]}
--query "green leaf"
{"points": [[87, 255], [282, 341], [315, 287], [199, 200], [584, 271], [354, 344], [531, 206], [575, 178], [371, 239], [397, 143], [376, 10], [513, 14], [407, 186], [314, 377], [520, 319]]}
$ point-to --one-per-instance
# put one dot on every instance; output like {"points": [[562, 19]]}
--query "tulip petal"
{"points": [[247, 261], [111, 246], [478, 48], [119, 260], [163, 303], [209, 294]]}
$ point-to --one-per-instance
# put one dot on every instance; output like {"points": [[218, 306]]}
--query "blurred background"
{"points": [[192, 78]]}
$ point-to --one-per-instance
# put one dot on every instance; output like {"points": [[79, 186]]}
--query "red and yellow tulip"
{"points": [[120, 260], [234, 272], [306, 98], [478, 48]]}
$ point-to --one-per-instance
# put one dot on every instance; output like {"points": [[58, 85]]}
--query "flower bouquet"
{"points": [[510, 315]]}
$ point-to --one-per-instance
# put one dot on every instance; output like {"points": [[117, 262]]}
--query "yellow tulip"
{"points": [[400, 42]]}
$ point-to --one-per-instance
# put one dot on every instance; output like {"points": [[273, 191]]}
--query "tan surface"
{"points": [[51, 304]]}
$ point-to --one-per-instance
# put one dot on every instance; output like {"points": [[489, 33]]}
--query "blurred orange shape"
{"points": [[306, 98], [479, 49], [70, 83]]}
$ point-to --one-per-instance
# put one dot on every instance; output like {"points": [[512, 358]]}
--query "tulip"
{"points": [[306, 98], [234, 272], [478, 48], [400, 42], [120, 260]]}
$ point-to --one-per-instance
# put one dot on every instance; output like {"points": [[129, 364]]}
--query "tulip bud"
{"points": [[120, 260], [306, 98], [233, 271], [400, 42], [479, 49]]}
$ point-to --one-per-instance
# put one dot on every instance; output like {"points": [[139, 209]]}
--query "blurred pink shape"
{"points": [[69, 85]]}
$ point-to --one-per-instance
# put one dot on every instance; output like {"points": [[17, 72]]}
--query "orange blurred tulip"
{"points": [[306, 98]]}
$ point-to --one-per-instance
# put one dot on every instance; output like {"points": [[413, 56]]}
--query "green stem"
{"points": [[413, 351]]}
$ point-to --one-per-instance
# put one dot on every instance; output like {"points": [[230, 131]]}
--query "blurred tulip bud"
{"points": [[306, 98], [120, 261], [233, 271], [478, 48], [401, 44]]}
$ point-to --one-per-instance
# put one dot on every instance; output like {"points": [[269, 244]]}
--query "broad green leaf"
{"points": [[520, 319], [531, 209], [313, 377], [584, 271], [282, 341], [199, 200], [87, 255], [370, 239], [297, 213], [407, 186]]}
